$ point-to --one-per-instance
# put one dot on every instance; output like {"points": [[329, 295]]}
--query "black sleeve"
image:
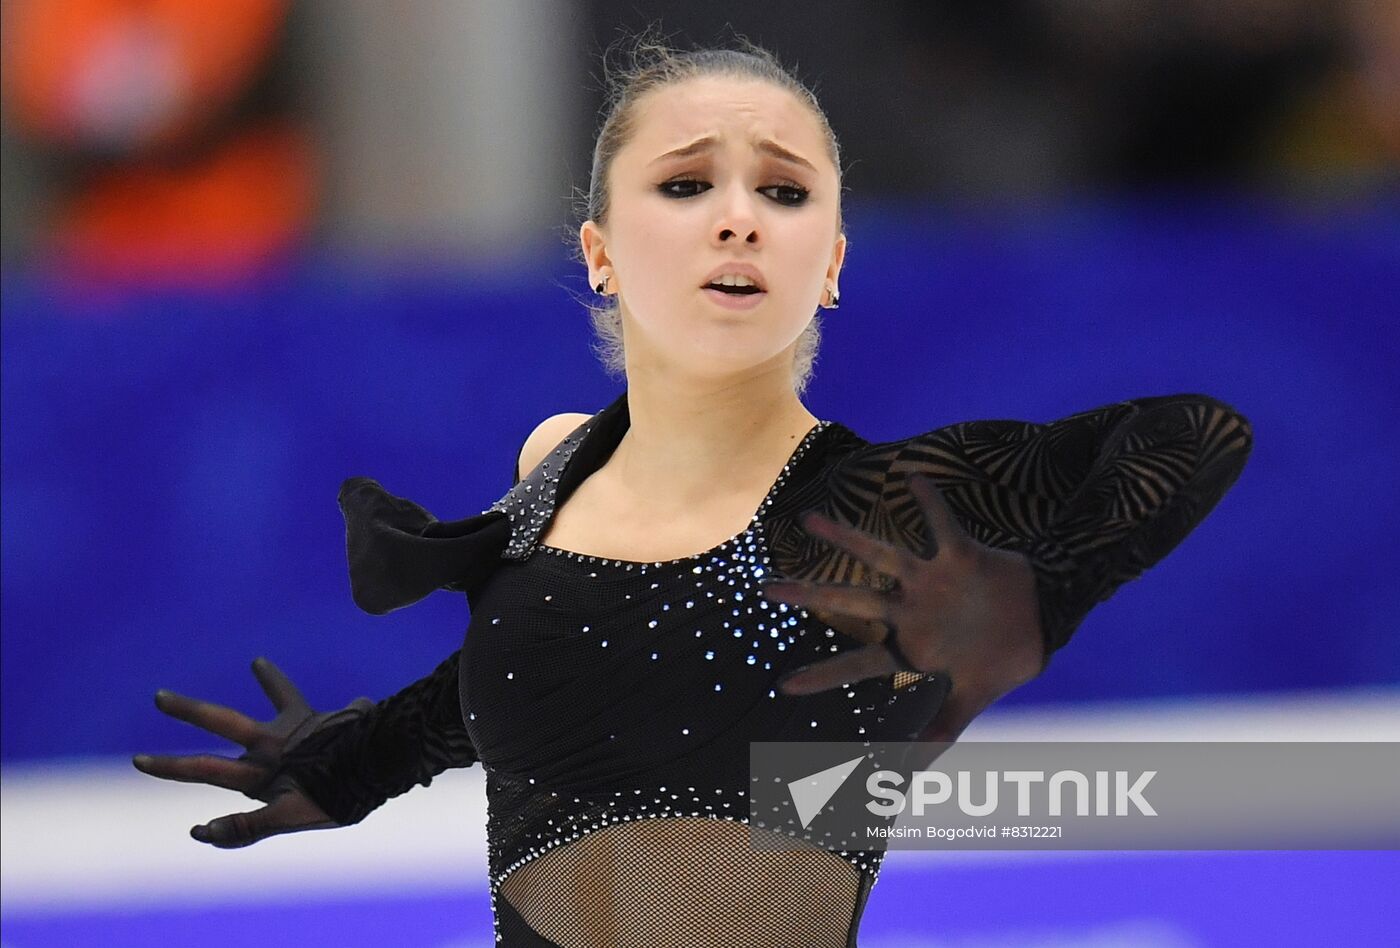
{"points": [[354, 766], [1092, 499]]}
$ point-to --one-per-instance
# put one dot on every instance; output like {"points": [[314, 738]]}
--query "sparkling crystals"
{"points": [[718, 590]]}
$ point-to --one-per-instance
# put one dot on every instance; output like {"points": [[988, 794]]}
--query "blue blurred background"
{"points": [[253, 248]]}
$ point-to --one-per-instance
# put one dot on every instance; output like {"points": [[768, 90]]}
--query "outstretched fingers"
{"points": [[860, 602], [215, 718], [204, 768], [288, 813], [850, 666], [236, 830], [277, 686], [881, 556], [938, 516]]}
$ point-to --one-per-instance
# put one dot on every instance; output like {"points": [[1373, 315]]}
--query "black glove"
{"points": [[257, 772]]}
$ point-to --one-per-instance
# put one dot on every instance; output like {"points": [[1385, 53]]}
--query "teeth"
{"points": [[731, 279]]}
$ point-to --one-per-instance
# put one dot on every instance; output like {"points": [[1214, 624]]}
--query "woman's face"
{"points": [[719, 171]]}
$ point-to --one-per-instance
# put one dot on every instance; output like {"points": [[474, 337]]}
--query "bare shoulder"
{"points": [[546, 437]]}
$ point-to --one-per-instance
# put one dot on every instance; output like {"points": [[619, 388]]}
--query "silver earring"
{"points": [[835, 297], [602, 286]]}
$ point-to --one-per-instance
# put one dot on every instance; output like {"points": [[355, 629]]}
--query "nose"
{"points": [[737, 220]]}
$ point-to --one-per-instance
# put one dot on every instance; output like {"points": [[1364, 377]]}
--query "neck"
{"points": [[692, 439]]}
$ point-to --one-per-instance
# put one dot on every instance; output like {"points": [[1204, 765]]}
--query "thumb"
{"points": [[954, 715], [288, 813], [235, 830]]}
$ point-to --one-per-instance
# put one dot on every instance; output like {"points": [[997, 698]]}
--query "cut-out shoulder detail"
{"points": [[545, 438]]}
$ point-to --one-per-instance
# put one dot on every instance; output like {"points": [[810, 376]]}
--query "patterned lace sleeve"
{"points": [[1092, 500], [353, 766]]}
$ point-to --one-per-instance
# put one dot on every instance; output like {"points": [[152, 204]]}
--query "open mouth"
{"points": [[735, 290]]}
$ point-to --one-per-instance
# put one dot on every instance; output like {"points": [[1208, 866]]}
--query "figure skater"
{"points": [[611, 678]]}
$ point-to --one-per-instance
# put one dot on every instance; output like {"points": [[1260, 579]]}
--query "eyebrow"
{"points": [[768, 146]]}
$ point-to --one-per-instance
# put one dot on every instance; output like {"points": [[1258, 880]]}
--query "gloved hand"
{"points": [[967, 612], [255, 773]]}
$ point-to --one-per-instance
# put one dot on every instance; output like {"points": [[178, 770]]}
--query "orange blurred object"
{"points": [[247, 201], [167, 179], [130, 74]]}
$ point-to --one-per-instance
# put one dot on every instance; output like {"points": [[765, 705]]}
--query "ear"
{"points": [[838, 256], [595, 254]]}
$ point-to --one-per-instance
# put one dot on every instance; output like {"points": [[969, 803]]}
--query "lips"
{"points": [[735, 268], [734, 290], [733, 301]]}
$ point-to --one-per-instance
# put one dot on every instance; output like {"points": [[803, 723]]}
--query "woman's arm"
{"points": [[995, 539], [355, 765], [1092, 500], [321, 770], [316, 770]]}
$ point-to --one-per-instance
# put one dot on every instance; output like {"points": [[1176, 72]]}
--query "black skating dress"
{"points": [[611, 703]]}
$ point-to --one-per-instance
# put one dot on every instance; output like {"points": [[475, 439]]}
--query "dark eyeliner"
{"points": [[801, 198], [663, 188], [801, 192]]}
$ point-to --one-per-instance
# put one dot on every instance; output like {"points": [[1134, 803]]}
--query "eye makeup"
{"points": [[792, 193]]}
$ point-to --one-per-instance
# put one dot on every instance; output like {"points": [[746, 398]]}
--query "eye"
{"points": [[789, 194], [795, 194], [687, 186]]}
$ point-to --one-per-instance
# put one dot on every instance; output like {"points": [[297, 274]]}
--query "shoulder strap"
{"points": [[530, 504]]}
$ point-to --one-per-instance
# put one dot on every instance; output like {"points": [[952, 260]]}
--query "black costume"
{"points": [[611, 703]]}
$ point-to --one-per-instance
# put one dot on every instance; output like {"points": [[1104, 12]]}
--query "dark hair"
{"points": [[651, 63]]}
